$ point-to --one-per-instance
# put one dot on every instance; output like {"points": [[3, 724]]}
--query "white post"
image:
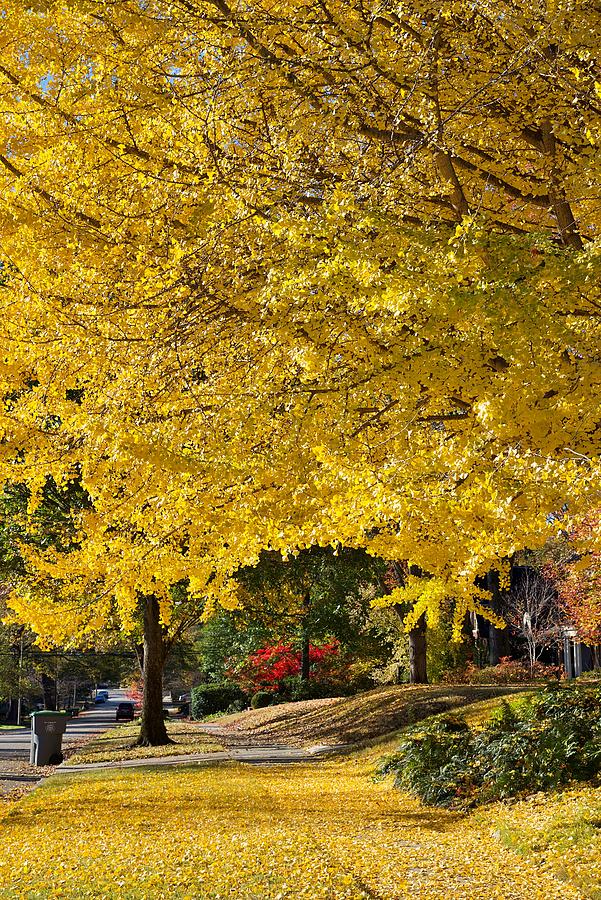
{"points": [[567, 657], [577, 658]]}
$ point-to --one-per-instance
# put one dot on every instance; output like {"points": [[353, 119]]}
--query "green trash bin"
{"points": [[47, 729]]}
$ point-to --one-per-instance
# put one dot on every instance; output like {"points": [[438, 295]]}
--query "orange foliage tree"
{"points": [[578, 582]]}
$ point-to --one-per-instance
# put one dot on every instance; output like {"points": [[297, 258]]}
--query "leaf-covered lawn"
{"points": [[322, 832], [561, 829], [116, 744]]}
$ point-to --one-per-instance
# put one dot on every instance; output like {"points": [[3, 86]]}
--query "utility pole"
{"points": [[56, 694], [19, 698]]}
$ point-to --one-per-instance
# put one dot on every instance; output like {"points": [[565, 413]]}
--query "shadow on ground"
{"points": [[349, 720]]}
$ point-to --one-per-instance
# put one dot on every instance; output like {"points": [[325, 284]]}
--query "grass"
{"points": [[353, 720], [561, 830], [323, 832], [115, 745], [11, 727]]}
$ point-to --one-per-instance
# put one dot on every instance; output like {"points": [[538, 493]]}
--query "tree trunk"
{"points": [[12, 715], [497, 637], [305, 642], [49, 691], [418, 663], [305, 659], [153, 732], [532, 656], [418, 672], [493, 645], [139, 651]]}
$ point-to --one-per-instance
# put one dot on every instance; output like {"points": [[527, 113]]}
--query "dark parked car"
{"points": [[125, 711]]}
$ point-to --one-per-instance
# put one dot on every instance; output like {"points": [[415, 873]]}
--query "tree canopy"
{"points": [[284, 274]]}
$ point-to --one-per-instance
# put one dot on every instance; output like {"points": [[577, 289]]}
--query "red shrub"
{"points": [[135, 691], [268, 668], [508, 671]]}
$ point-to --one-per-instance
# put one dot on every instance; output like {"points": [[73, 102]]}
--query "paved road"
{"points": [[15, 743]]}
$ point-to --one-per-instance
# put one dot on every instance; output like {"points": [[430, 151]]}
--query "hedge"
{"points": [[208, 699]]}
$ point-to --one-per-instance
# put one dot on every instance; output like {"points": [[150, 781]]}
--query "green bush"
{"points": [[296, 688], [208, 699], [261, 699], [540, 743], [237, 706]]}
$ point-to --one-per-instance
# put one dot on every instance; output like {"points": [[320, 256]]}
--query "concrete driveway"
{"points": [[15, 743]]}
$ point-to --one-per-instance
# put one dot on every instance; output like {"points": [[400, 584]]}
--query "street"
{"points": [[15, 743]]}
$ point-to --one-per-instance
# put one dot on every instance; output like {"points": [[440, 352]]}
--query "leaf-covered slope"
{"points": [[343, 720]]}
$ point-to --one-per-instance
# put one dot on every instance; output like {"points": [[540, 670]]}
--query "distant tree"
{"points": [[576, 572], [227, 637], [533, 613], [580, 596], [310, 597], [71, 614]]}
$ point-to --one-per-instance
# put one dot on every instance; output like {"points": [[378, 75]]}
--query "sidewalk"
{"points": [[248, 755]]}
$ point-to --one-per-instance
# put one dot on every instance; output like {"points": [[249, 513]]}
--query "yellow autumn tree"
{"points": [[279, 274]]}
